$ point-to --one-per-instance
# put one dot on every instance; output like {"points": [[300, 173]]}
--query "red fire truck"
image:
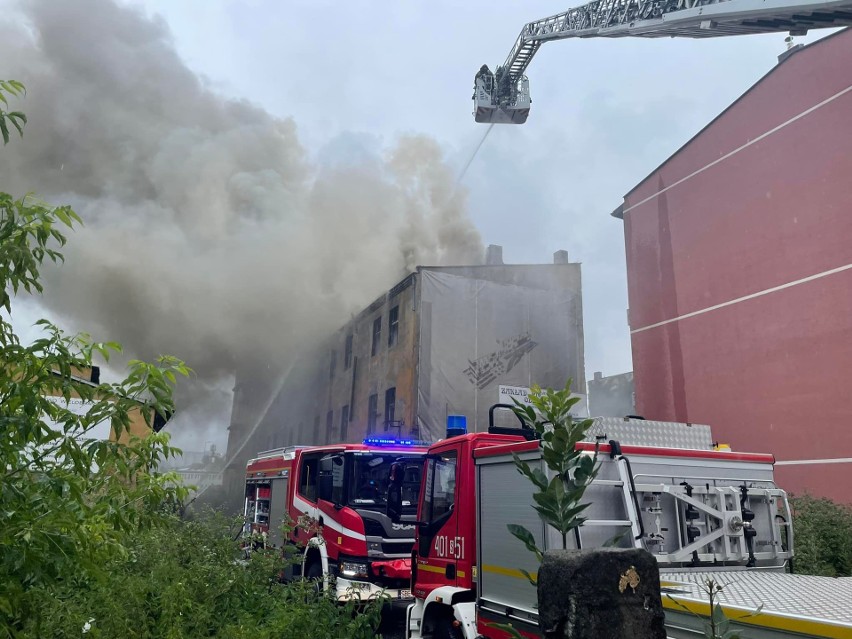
{"points": [[699, 510], [335, 499]]}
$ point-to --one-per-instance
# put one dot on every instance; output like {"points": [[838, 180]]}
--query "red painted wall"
{"points": [[772, 373]]}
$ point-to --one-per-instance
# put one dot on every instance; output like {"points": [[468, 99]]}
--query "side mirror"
{"points": [[394, 501]]}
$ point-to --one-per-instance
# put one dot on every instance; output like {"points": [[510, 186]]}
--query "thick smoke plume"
{"points": [[208, 232]]}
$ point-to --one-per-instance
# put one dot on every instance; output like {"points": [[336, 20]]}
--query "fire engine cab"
{"points": [[335, 499]]}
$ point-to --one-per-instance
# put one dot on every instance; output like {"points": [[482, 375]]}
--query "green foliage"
{"points": [[69, 503], [823, 537], [186, 580], [718, 625], [14, 89], [559, 499]]}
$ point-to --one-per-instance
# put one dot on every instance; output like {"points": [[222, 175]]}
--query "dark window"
{"points": [[393, 326], [329, 424], [344, 423], [377, 335], [332, 364], [347, 354], [390, 407], [308, 476], [439, 495], [441, 486], [368, 481], [373, 413]]}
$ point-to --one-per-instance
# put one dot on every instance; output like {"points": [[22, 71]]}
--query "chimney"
{"points": [[494, 255], [791, 47], [560, 257], [598, 376]]}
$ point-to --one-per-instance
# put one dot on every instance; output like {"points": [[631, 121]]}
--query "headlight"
{"points": [[353, 569]]}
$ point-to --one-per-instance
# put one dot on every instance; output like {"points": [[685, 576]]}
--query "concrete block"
{"points": [[600, 594]]}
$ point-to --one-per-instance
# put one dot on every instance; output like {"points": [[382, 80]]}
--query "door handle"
{"points": [[450, 571]]}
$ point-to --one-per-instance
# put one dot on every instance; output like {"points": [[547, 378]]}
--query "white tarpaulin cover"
{"points": [[476, 335]]}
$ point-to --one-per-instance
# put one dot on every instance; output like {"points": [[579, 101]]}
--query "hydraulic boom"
{"points": [[503, 96]]}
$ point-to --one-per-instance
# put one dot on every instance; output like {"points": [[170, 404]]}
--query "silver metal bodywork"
{"points": [[655, 519], [790, 605], [644, 432]]}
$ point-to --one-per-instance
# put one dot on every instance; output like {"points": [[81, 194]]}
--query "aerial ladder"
{"points": [[503, 96]]}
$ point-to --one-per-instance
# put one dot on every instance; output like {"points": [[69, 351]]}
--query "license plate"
{"points": [[404, 594]]}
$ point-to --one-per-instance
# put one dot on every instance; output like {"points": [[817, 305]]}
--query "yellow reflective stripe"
{"points": [[428, 568], [764, 619], [437, 569], [506, 572]]}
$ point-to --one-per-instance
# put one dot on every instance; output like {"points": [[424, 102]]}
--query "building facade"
{"points": [[137, 425], [442, 342], [740, 273], [612, 395]]}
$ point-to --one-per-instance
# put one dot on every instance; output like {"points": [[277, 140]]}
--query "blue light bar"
{"points": [[388, 441]]}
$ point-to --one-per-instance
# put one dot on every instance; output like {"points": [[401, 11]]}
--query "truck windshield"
{"points": [[368, 487]]}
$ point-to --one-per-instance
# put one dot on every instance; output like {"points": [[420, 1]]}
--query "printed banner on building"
{"points": [[507, 394], [481, 336]]}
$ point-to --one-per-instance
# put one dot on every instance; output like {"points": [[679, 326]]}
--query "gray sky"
{"points": [[356, 76]]}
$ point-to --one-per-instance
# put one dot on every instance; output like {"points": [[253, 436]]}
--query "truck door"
{"points": [[438, 545], [278, 507], [305, 497]]}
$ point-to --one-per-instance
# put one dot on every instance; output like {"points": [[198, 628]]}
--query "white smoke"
{"points": [[208, 232]]}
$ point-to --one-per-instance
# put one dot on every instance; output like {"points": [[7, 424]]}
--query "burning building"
{"points": [[444, 341]]}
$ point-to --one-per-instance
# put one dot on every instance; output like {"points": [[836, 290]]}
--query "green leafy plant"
{"points": [[558, 500], [718, 625], [69, 502], [17, 119]]}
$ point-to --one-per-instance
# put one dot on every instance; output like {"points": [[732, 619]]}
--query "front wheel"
{"points": [[446, 628], [314, 576]]}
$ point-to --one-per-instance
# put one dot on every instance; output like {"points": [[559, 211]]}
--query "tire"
{"points": [[444, 628], [314, 576], [314, 571]]}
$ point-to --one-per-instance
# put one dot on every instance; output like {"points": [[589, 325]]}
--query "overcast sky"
{"points": [[357, 75]]}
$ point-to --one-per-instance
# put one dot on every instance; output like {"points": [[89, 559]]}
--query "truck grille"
{"points": [[397, 547]]}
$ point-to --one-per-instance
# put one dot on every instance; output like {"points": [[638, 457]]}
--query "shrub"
{"points": [[823, 536], [188, 580]]}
